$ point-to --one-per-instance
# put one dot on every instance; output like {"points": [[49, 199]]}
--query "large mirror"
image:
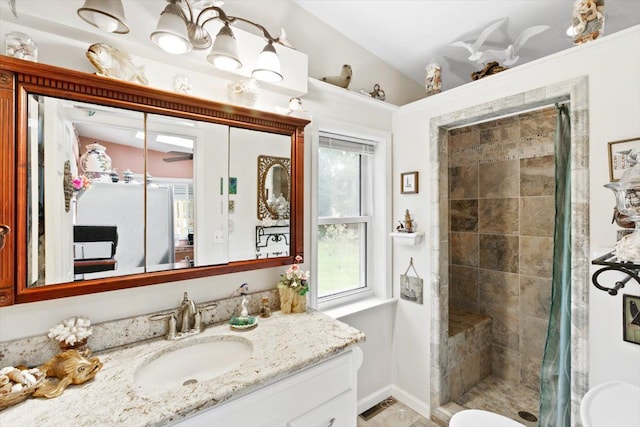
{"points": [[126, 189]]}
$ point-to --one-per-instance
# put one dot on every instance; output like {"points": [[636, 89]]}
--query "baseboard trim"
{"points": [[374, 398], [411, 401]]}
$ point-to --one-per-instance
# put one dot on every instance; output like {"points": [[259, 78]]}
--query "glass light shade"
{"points": [[171, 33], [224, 53], [268, 65], [627, 192], [108, 15]]}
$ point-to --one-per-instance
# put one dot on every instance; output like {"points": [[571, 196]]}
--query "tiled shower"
{"points": [[501, 222]]}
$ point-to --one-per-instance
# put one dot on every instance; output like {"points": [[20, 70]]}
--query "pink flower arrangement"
{"points": [[80, 183], [295, 278]]}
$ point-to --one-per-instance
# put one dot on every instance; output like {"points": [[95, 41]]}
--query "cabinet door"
{"points": [[338, 412], [7, 188]]}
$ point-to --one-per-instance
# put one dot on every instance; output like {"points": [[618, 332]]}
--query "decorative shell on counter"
{"points": [[71, 331], [17, 384], [69, 367]]}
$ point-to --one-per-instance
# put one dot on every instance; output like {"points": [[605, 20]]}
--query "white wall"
{"points": [[324, 100], [612, 65]]}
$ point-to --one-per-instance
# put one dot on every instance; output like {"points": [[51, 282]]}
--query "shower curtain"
{"points": [[555, 377]]}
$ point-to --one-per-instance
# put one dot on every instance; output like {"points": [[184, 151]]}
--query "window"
{"points": [[344, 210]]}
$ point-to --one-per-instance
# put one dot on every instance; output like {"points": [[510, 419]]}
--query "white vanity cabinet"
{"points": [[323, 395]]}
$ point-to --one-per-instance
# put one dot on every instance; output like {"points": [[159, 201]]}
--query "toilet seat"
{"points": [[480, 418]]}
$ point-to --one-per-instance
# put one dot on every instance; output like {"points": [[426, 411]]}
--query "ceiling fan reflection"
{"points": [[181, 156]]}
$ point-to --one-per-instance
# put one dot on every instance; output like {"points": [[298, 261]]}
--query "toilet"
{"points": [[479, 418]]}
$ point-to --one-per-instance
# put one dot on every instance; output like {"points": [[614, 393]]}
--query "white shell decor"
{"points": [[182, 84], [96, 163], [20, 45], [432, 79], [588, 20], [111, 62], [72, 330], [628, 248], [243, 92]]}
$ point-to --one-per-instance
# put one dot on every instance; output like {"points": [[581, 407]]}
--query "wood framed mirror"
{"points": [[133, 219], [274, 188]]}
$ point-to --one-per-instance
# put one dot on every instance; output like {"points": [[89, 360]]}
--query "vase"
{"points": [[78, 345], [432, 79], [587, 21], [96, 163], [291, 301], [627, 192]]}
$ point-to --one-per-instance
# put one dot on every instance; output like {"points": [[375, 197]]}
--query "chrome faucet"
{"points": [[186, 321]]}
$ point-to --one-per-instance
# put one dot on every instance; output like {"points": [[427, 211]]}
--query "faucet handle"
{"points": [[172, 327], [208, 306], [161, 316]]}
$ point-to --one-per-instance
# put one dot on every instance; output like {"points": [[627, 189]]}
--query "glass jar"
{"points": [[20, 45]]}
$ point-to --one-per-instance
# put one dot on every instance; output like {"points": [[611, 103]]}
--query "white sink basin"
{"points": [[611, 404], [192, 362]]}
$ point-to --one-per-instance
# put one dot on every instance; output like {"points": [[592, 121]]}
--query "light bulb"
{"points": [[172, 44], [104, 22]]}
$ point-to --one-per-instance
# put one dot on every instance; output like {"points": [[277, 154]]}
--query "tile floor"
{"points": [[395, 414], [502, 397]]}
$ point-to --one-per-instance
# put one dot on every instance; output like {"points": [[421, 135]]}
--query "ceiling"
{"points": [[409, 34]]}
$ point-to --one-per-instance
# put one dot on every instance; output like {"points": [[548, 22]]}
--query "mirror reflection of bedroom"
{"points": [[98, 159]]}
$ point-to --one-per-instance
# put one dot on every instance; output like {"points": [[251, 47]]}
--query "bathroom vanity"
{"points": [[301, 371]]}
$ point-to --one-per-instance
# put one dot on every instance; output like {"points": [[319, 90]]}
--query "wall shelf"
{"points": [[408, 238], [611, 263]]}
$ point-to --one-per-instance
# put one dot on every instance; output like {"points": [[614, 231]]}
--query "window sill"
{"points": [[350, 308]]}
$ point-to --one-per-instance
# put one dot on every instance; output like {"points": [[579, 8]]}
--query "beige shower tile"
{"points": [[506, 364], [537, 176], [464, 249], [463, 287], [535, 296], [530, 372], [470, 372], [463, 182], [497, 289], [537, 216], [505, 327], [499, 252], [499, 179], [455, 383], [486, 368], [533, 333], [464, 215], [537, 124], [498, 216], [536, 256]]}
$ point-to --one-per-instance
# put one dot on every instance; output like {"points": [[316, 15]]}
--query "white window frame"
{"points": [[379, 224]]}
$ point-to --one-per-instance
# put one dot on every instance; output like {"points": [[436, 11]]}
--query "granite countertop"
{"points": [[282, 345]]}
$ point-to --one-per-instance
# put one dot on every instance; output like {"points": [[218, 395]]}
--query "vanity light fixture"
{"points": [[179, 31], [108, 15]]}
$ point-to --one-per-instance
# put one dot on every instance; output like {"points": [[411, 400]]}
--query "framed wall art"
{"points": [[618, 162], [631, 318], [409, 183]]}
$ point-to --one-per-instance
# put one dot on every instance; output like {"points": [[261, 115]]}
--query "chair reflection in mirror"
{"points": [[272, 241], [94, 248]]}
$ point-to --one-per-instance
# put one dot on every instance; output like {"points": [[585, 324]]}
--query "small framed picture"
{"points": [[631, 318], [409, 183], [233, 185], [618, 151]]}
